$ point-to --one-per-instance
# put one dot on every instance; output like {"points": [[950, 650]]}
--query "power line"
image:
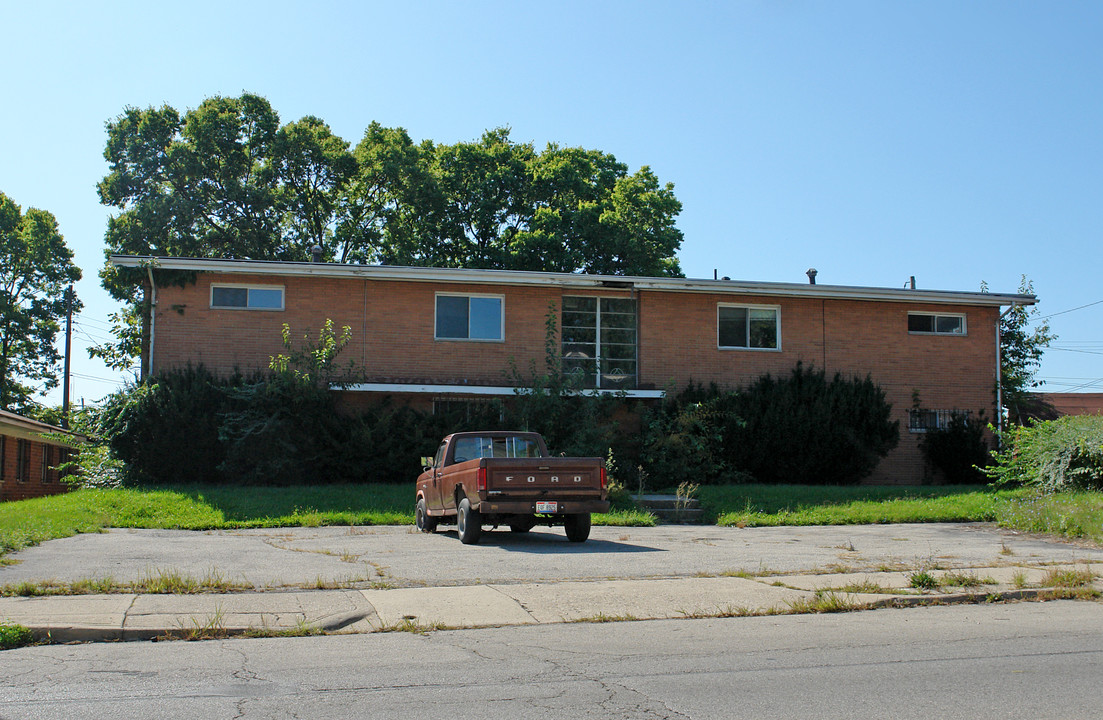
{"points": [[1047, 317]]}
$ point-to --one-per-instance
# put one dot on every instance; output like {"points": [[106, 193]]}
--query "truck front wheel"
{"points": [[425, 523], [577, 527], [469, 523]]}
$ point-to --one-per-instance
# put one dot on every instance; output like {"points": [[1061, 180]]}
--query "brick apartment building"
{"points": [[437, 335], [30, 454]]}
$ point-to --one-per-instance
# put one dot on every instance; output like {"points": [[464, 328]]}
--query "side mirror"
{"points": [[427, 462]]}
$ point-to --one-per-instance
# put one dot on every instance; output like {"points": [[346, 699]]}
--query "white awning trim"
{"points": [[499, 390]]}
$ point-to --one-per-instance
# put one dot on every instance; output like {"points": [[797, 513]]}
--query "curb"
{"points": [[337, 622]]}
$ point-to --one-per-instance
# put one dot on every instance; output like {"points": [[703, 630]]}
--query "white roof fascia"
{"points": [[569, 280], [473, 390]]}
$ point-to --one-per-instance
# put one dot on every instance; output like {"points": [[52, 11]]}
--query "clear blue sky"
{"points": [[953, 141]]}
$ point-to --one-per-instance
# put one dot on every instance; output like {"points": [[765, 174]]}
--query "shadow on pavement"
{"points": [[549, 543]]}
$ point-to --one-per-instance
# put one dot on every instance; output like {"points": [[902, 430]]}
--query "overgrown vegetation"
{"points": [[801, 427], [959, 451], [1052, 455]]}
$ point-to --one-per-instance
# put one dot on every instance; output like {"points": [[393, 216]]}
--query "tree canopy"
{"points": [[1021, 349], [228, 180], [36, 268]]}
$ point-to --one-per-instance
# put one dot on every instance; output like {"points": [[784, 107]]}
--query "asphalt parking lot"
{"points": [[402, 557]]}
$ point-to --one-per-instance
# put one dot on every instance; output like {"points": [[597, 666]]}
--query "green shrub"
{"points": [[14, 636], [804, 428], [958, 451], [686, 436], [167, 429], [1061, 454]]}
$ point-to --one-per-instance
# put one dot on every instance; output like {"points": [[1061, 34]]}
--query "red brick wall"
{"points": [[392, 324], [14, 488]]}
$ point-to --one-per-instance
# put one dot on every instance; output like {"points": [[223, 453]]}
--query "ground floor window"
{"points": [[23, 461], [921, 420], [469, 410]]}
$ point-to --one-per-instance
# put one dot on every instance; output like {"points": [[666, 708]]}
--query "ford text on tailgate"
{"points": [[507, 478]]}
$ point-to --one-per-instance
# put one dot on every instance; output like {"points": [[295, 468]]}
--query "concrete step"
{"points": [[671, 510], [665, 502]]}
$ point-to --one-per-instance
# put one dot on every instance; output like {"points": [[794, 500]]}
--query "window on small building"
{"points": [[23, 461], [933, 324], [45, 474], [3, 457], [599, 341], [750, 327], [247, 297], [469, 317], [920, 420]]}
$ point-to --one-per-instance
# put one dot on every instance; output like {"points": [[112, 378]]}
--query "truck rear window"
{"points": [[471, 448]]}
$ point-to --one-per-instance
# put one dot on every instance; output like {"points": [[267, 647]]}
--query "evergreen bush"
{"points": [[958, 451], [806, 429]]}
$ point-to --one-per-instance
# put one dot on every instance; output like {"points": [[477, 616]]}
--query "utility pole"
{"points": [[68, 348]]}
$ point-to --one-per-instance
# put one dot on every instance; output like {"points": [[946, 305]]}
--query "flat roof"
{"points": [[575, 281]]}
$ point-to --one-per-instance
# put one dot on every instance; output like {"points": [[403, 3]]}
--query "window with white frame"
{"points": [[936, 324], [599, 341], [748, 327], [470, 317], [247, 297]]}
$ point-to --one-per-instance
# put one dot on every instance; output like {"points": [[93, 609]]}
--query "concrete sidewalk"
{"points": [[128, 616]]}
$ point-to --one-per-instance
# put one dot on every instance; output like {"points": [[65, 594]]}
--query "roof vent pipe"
{"points": [[316, 252], [811, 273], [911, 282]]}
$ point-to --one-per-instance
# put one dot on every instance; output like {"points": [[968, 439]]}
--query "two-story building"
{"points": [[440, 335]]}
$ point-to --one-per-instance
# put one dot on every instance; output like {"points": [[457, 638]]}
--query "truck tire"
{"points": [[469, 523], [425, 523], [577, 527]]}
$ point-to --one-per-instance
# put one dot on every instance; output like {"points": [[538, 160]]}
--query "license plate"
{"points": [[546, 507]]}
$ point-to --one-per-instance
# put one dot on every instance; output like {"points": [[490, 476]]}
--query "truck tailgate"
{"points": [[535, 477]]}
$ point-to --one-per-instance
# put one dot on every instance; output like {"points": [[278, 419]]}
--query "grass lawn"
{"points": [[28, 522]]}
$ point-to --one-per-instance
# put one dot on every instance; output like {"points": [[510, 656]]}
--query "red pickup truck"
{"points": [[507, 478]]}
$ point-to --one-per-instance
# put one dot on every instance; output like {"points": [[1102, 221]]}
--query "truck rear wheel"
{"points": [[577, 527], [469, 523], [425, 523]]}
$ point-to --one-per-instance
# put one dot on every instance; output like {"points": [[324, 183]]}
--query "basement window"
{"points": [[247, 297]]}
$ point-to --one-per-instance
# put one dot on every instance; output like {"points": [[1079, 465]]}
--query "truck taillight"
{"points": [[482, 478], [602, 478]]}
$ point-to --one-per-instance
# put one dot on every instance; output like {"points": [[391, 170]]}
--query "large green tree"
{"points": [[36, 268], [227, 180]]}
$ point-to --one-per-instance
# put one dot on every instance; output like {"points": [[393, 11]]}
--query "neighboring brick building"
{"points": [[429, 335], [30, 453]]}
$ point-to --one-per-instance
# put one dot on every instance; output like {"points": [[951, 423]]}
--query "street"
{"points": [[1015, 660]]}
